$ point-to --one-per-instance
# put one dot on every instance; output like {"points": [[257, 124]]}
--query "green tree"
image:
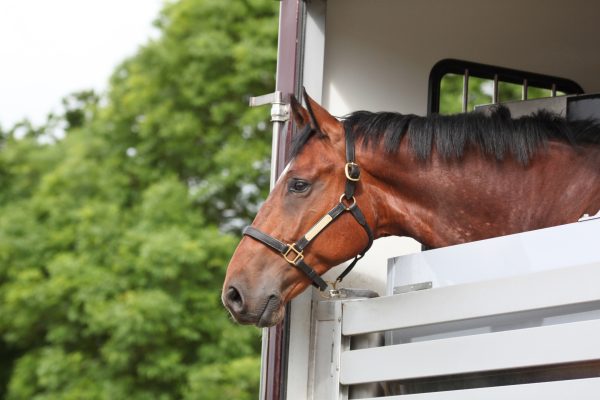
{"points": [[118, 217]]}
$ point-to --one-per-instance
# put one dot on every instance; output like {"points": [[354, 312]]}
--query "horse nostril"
{"points": [[234, 299]]}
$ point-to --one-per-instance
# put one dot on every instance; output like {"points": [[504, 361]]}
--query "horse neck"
{"points": [[401, 192], [443, 202]]}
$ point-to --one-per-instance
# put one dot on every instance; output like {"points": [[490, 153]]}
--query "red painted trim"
{"points": [[288, 54], [275, 374]]}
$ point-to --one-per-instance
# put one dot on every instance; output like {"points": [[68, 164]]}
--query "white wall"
{"points": [[379, 52]]}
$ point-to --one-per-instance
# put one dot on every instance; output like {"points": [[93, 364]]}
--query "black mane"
{"points": [[495, 133]]}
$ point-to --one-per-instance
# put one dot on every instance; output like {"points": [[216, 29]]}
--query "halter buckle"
{"points": [[347, 171], [297, 255]]}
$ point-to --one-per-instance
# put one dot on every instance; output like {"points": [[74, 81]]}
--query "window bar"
{"points": [[465, 94], [554, 90], [524, 90], [495, 97]]}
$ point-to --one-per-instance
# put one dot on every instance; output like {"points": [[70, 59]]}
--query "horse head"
{"points": [[309, 223]]}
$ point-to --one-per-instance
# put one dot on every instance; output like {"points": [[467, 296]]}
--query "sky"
{"points": [[50, 48]]}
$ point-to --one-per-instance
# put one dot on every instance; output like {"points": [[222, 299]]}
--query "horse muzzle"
{"points": [[264, 311]]}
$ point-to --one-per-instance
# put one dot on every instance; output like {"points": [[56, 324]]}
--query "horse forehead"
{"points": [[317, 154], [312, 160], [311, 167], [284, 172]]}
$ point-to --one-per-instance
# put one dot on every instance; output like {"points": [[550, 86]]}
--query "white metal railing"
{"points": [[580, 389], [540, 319]]}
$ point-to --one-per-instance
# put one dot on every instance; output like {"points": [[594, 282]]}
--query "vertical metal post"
{"points": [[327, 345], [278, 126], [495, 94], [554, 90], [275, 339], [524, 89], [465, 94]]}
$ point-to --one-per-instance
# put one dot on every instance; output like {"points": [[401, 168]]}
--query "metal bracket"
{"points": [[587, 217], [412, 287], [280, 111]]}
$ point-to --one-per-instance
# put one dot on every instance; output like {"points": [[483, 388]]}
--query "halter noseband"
{"points": [[294, 253]]}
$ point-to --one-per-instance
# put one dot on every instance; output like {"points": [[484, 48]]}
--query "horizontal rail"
{"points": [[581, 389], [546, 345], [501, 257], [577, 285]]}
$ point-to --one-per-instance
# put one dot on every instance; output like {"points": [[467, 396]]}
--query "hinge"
{"points": [[280, 111]]}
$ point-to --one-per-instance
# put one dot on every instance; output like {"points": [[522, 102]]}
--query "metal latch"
{"points": [[413, 287], [280, 111]]}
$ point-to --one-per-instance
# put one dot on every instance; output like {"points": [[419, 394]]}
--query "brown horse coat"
{"points": [[415, 181]]}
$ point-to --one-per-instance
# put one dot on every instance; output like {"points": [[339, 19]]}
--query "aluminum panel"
{"points": [[585, 389], [501, 257], [572, 342], [573, 286]]}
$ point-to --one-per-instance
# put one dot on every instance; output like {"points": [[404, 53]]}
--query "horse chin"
{"points": [[272, 314], [274, 310]]}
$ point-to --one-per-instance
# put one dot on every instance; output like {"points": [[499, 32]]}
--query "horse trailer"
{"points": [[511, 317]]}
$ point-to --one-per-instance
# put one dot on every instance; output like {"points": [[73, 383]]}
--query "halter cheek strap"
{"points": [[294, 253]]}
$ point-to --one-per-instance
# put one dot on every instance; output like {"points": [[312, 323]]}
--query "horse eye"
{"points": [[298, 186]]}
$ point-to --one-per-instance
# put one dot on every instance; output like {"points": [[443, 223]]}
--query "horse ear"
{"points": [[321, 120], [299, 113]]}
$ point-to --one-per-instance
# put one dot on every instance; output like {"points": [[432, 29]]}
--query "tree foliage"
{"points": [[116, 218]]}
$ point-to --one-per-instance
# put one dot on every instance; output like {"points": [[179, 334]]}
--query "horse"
{"points": [[442, 180]]}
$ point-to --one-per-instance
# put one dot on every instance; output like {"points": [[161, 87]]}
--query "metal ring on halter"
{"points": [[351, 206]]}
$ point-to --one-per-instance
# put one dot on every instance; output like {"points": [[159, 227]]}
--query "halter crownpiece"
{"points": [[294, 253]]}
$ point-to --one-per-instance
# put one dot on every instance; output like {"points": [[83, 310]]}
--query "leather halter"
{"points": [[294, 253]]}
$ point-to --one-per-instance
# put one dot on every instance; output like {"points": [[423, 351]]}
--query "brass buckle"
{"points": [[347, 171], [298, 256]]}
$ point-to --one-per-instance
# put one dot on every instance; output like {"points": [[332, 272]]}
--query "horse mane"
{"points": [[496, 133]]}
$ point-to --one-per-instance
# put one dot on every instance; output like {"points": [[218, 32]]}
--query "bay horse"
{"points": [[441, 180]]}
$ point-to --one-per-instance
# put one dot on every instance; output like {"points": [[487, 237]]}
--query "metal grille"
{"points": [[497, 75]]}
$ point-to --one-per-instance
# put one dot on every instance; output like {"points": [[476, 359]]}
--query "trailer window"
{"points": [[458, 86]]}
